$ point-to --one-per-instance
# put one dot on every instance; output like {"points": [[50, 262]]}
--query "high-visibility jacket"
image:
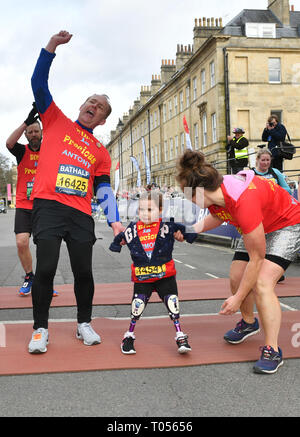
{"points": [[240, 153]]}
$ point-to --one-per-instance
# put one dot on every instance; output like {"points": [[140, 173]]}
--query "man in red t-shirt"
{"points": [[27, 159], [73, 166]]}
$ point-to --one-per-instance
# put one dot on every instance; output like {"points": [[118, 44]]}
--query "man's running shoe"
{"points": [[39, 341], [242, 331], [86, 333], [269, 362], [281, 279], [182, 343], [127, 346], [55, 293], [25, 290]]}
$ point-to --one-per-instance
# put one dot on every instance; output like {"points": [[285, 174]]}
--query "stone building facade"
{"points": [[230, 76]]}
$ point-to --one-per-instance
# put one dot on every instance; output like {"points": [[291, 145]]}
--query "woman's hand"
{"points": [[230, 306]]}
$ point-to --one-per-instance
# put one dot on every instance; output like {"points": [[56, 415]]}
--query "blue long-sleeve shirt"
{"points": [[43, 99]]}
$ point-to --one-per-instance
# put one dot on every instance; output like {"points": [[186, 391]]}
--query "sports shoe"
{"points": [[127, 346], [282, 278], [55, 293], [182, 343], [242, 331], [86, 333], [39, 341], [269, 361], [25, 290]]}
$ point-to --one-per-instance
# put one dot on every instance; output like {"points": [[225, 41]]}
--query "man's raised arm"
{"points": [[39, 80]]}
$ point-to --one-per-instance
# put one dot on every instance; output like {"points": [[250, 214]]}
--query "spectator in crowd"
{"points": [[237, 150], [274, 133]]}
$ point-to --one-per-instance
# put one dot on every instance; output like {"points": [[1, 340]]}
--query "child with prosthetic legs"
{"points": [[151, 241]]}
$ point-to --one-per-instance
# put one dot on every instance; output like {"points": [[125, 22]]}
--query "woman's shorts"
{"points": [[282, 246]]}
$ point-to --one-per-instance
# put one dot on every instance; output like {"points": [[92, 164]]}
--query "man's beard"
{"points": [[35, 144]]}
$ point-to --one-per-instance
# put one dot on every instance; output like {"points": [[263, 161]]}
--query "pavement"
{"points": [[133, 395]]}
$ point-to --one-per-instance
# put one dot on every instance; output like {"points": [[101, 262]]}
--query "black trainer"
{"points": [[127, 346]]}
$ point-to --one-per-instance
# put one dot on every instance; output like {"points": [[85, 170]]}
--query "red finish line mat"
{"points": [[121, 293], [155, 345]]}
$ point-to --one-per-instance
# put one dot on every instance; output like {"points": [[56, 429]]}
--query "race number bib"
{"points": [[150, 272], [72, 180]]}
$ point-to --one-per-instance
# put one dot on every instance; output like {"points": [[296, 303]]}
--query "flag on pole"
{"points": [[187, 134], [136, 164], [147, 166], [117, 177], [9, 192]]}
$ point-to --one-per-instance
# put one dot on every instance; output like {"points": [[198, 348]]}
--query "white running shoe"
{"points": [[182, 343], [39, 341], [86, 333]]}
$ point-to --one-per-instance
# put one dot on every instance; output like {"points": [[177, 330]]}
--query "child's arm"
{"points": [[116, 245], [188, 232]]}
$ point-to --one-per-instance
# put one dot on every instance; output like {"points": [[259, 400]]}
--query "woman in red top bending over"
{"points": [[269, 220]]}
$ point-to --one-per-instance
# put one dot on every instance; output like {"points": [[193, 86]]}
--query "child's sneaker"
{"points": [[182, 343], [86, 333], [242, 331], [39, 341], [269, 362], [127, 346], [25, 290]]}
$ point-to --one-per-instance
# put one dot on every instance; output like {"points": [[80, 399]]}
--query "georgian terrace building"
{"points": [[230, 76]]}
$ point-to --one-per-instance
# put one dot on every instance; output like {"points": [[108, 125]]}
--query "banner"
{"points": [[136, 164], [147, 166], [9, 192], [187, 134], [117, 177]]}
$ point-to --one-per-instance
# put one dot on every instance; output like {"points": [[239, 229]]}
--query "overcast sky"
{"points": [[116, 47]]}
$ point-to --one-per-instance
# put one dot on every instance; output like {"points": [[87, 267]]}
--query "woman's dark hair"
{"points": [[194, 171]]}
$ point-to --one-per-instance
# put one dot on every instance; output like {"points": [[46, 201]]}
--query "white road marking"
{"points": [[190, 267], [287, 307], [212, 276]]}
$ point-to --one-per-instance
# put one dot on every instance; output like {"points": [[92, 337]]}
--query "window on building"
{"points": [[274, 70], [165, 113], [204, 129], [155, 119], [170, 109], [166, 150], [151, 121], [156, 154], [260, 30], [278, 113], [203, 81], [187, 96], [176, 146], [181, 101], [196, 136], [194, 88], [214, 127], [171, 148], [212, 74], [176, 105], [182, 142]]}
